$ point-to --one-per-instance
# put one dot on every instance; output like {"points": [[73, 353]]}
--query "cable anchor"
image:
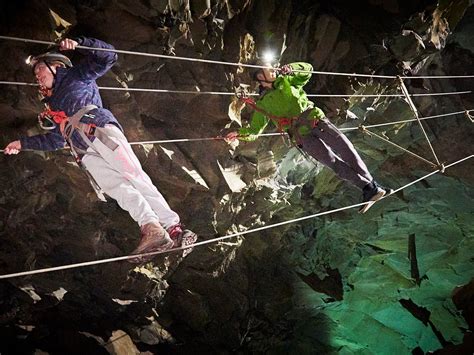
{"points": [[364, 130], [470, 116], [441, 168]]}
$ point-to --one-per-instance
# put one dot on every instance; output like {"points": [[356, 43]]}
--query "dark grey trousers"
{"points": [[332, 148]]}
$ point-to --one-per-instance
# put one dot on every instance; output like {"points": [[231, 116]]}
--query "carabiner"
{"points": [[46, 122]]}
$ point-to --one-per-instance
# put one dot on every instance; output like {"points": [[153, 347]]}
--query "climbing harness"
{"points": [[294, 128], [87, 131], [290, 125], [68, 127], [49, 119], [282, 123]]}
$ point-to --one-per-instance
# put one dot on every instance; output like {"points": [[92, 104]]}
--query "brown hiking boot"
{"points": [[182, 238], [154, 238]]}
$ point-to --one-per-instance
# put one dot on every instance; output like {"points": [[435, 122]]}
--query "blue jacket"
{"points": [[73, 89]]}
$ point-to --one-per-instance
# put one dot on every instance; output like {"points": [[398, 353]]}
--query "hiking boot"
{"points": [[388, 190], [154, 238], [182, 238], [371, 193]]}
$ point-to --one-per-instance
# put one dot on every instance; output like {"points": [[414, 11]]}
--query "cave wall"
{"points": [[339, 283]]}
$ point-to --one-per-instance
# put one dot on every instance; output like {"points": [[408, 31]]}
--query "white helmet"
{"points": [[49, 58]]}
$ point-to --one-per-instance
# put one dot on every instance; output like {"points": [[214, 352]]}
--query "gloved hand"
{"points": [[286, 70]]}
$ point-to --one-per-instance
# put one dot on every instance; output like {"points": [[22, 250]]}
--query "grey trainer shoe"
{"points": [[371, 194]]}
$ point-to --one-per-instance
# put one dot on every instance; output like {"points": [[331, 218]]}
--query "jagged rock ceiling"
{"points": [[339, 283]]}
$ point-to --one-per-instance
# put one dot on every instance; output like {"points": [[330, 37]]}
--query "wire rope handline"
{"points": [[405, 121], [344, 129], [283, 122], [393, 95], [364, 129], [469, 115], [417, 116], [213, 240], [182, 140], [229, 93], [164, 56]]}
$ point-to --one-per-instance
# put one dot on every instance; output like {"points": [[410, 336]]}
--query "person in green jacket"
{"points": [[284, 102]]}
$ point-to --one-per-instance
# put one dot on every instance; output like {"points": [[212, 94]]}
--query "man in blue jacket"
{"points": [[74, 115]]}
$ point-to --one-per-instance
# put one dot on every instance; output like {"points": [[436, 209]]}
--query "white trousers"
{"points": [[121, 176]]}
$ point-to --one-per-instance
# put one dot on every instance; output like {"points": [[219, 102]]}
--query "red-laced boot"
{"points": [[154, 238], [182, 238]]}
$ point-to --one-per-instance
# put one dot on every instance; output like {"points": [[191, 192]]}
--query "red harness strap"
{"points": [[57, 116], [281, 122], [61, 119]]}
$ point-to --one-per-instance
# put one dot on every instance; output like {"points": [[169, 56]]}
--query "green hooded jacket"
{"points": [[287, 99]]}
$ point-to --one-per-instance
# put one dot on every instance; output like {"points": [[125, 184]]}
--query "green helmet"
{"points": [[49, 58]]}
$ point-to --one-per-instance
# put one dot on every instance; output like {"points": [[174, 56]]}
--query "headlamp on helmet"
{"points": [[49, 58], [268, 57]]}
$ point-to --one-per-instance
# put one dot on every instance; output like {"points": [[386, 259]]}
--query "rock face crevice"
{"points": [[340, 282]]}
